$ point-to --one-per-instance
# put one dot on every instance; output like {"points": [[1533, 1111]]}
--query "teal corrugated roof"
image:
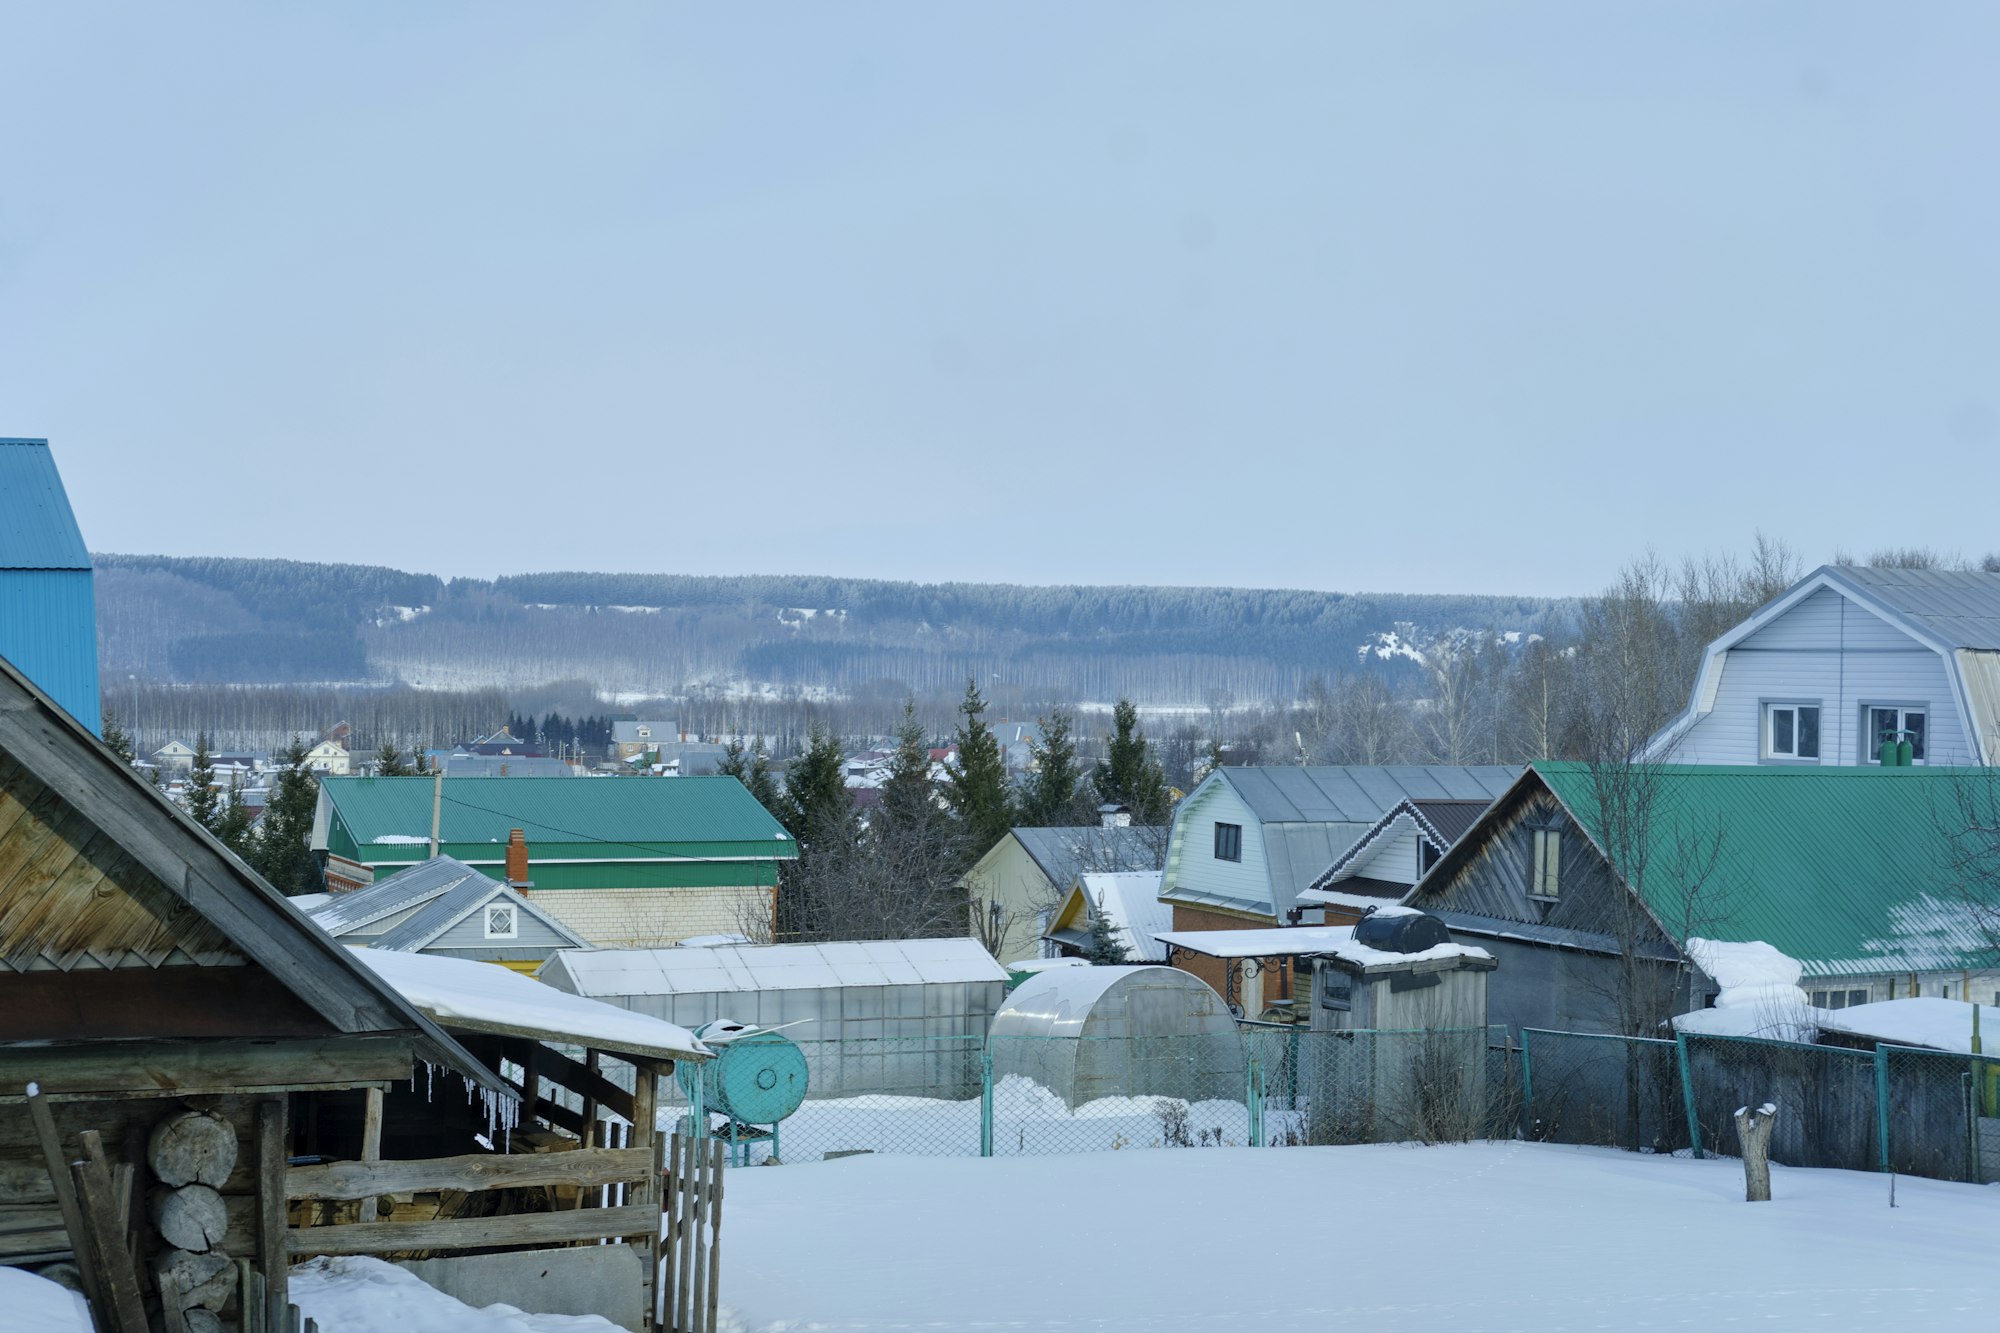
{"points": [[39, 531], [618, 816], [1846, 869]]}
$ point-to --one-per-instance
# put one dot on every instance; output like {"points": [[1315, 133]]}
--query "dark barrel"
{"points": [[1400, 932]]}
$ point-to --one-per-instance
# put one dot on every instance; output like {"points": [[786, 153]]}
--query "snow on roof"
{"points": [[1034, 965], [1301, 941], [729, 968], [484, 997], [1759, 992], [1130, 901], [1927, 1020]]}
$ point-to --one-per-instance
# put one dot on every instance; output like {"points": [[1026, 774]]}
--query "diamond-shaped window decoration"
{"points": [[501, 923]]}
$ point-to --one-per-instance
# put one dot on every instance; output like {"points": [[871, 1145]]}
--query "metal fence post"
{"points": [[1527, 1089], [1882, 1102], [986, 1101], [1687, 1093], [1253, 1103]]}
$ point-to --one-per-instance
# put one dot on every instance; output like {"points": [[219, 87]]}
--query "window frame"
{"points": [[1229, 846], [1864, 725], [1542, 869], [513, 911], [1766, 750]]}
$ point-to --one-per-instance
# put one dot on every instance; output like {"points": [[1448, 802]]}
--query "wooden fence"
{"points": [[674, 1190]]}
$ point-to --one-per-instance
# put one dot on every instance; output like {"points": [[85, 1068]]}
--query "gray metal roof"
{"points": [[627, 733], [1358, 793], [454, 905], [1064, 853], [348, 912], [1960, 606], [40, 532], [506, 766]]}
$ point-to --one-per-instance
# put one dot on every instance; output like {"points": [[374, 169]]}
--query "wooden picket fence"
{"points": [[691, 1241]]}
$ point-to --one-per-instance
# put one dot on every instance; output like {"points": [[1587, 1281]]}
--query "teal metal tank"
{"points": [[758, 1078]]}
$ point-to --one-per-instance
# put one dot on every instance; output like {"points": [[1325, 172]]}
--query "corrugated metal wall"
{"points": [[48, 630]]}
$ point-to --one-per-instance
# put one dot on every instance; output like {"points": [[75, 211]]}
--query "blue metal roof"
{"points": [[40, 532]]}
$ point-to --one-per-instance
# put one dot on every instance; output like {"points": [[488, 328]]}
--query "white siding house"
{"points": [[1819, 674]]}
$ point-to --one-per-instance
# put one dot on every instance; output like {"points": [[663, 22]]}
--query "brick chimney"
{"points": [[517, 861]]}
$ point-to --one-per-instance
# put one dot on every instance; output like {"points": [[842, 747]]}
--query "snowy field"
{"points": [[1496, 1236]]}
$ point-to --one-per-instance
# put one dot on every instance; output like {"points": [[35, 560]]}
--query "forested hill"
{"points": [[280, 621]]}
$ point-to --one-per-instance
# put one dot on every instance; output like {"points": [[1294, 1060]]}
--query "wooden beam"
{"points": [[273, 1257], [471, 1233], [117, 1278], [65, 1190], [585, 1082], [169, 1069], [645, 1102], [471, 1173], [129, 1003], [371, 1147]]}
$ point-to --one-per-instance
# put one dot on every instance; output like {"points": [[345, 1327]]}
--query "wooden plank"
{"points": [[714, 1211], [467, 1233], [273, 1256], [684, 1238], [118, 1279], [65, 1191], [645, 1102], [371, 1147], [168, 1069], [669, 1234], [471, 1173], [580, 1079]]}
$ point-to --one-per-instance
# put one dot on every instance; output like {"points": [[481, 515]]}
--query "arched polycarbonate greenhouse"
{"points": [[1088, 1033]]}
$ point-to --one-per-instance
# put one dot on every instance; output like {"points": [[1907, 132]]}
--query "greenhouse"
{"points": [[1088, 1033]]}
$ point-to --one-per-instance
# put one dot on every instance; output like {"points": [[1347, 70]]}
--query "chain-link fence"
{"points": [[1602, 1090], [1919, 1112]]}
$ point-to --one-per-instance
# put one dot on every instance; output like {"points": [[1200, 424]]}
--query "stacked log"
{"points": [[191, 1154]]}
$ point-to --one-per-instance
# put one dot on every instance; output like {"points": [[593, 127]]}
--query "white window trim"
{"points": [[1766, 728], [513, 911], [1871, 744]]}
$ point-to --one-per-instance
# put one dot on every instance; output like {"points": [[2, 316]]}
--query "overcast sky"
{"points": [[1423, 297]]}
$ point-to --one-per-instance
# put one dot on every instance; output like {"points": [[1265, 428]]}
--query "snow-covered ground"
{"points": [[1395, 1239], [346, 1294]]}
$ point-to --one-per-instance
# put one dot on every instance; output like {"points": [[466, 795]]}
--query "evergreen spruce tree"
{"points": [[203, 802], [1103, 948], [282, 852], [1051, 799], [976, 790], [735, 762], [762, 782], [389, 762], [115, 736], [233, 827], [1130, 776], [817, 806]]}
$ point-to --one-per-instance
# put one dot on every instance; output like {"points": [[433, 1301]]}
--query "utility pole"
{"points": [[437, 807]]}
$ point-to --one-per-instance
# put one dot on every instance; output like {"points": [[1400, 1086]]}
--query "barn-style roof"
{"points": [[102, 872]]}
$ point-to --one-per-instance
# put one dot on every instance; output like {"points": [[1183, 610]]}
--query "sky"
{"points": [[1445, 297]]}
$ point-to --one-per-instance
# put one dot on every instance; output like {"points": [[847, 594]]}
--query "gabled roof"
{"points": [[1128, 900], [1358, 793], [210, 898], [1064, 853], [40, 531], [1845, 869], [439, 893], [1438, 823], [614, 818]]}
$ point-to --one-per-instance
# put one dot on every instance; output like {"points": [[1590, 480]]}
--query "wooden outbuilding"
{"points": [[180, 1048]]}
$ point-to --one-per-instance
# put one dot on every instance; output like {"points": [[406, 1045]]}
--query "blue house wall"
{"points": [[48, 603]]}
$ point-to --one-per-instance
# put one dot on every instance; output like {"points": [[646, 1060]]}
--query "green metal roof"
{"points": [[1847, 870], [609, 818]]}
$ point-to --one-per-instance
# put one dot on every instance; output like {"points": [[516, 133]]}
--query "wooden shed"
{"points": [[178, 1044]]}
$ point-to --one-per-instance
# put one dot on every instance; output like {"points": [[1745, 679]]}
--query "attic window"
{"points": [[1229, 842], [1545, 878], [1791, 731], [502, 923]]}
